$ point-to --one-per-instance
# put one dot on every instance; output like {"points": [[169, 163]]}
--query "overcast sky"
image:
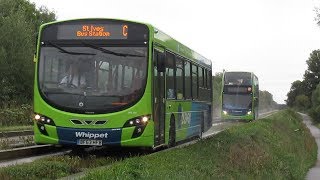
{"points": [[272, 38]]}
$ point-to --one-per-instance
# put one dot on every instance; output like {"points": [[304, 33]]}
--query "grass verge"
{"points": [[277, 147], [53, 167]]}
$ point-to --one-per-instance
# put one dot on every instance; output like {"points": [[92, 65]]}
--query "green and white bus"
{"points": [[101, 82], [240, 96]]}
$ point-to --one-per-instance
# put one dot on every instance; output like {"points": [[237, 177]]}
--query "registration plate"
{"points": [[90, 142]]}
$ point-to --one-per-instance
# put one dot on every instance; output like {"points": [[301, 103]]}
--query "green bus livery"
{"points": [[101, 82], [240, 96]]}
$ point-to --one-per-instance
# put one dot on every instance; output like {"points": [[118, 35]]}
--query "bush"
{"points": [[16, 115], [314, 112]]}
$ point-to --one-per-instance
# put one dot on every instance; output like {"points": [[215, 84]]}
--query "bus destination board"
{"points": [[93, 31]]}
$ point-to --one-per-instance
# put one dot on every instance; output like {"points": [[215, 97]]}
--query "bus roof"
{"points": [[175, 46]]}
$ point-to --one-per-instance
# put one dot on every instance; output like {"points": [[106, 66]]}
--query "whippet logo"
{"points": [[91, 135]]}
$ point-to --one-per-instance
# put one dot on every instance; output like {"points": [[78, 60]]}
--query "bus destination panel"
{"points": [[92, 31]]}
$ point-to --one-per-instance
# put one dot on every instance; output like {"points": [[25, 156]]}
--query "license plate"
{"points": [[90, 142]]}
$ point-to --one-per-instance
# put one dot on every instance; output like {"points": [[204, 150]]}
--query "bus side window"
{"points": [[187, 80], [194, 82], [170, 72], [201, 85], [179, 77]]}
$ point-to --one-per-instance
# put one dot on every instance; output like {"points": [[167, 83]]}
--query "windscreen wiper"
{"points": [[110, 52], [68, 52]]}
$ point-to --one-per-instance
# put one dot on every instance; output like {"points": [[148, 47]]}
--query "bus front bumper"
{"points": [[130, 136]]}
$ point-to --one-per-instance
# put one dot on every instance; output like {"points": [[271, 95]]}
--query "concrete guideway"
{"points": [[314, 173], [27, 154], [7, 134], [30, 159]]}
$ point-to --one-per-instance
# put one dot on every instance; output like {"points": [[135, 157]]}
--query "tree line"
{"points": [[304, 95], [19, 25]]}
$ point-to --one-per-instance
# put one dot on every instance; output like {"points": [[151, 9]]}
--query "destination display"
{"points": [[92, 31], [238, 89]]}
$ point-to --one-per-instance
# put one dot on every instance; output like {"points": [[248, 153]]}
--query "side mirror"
{"points": [[161, 64]]}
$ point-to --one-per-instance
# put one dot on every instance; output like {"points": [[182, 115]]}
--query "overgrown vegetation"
{"points": [[305, 95], [279, 147], [19, 24], [16, 115], [53, 167], [21, 141]]}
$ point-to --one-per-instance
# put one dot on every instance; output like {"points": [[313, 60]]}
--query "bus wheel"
{"points": [[172, 132]]}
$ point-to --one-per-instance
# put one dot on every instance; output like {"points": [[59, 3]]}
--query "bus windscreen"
{"points": [[237, 78]]}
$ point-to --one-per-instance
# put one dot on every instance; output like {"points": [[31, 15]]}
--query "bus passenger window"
{"points": [[187, 80], [179, 78], [194, 82], [170, 90]]}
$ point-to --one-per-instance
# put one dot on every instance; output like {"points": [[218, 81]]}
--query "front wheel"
{"points": [[172, 132]]}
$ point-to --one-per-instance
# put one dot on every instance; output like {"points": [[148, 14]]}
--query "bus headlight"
{"points": [[225, 112], [137, 121], [37, 117], [44, 119], [145, 119], [249, 112]]}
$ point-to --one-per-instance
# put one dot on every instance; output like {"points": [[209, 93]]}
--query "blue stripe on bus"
{"points": [[71, 135]]}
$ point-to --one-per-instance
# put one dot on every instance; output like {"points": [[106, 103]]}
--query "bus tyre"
{"points": [[172, 132]]}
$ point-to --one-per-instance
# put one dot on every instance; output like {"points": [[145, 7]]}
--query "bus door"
{"points": [[159, 96]]}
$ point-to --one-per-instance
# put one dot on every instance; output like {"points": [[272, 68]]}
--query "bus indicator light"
{"points": [[249, 89]]}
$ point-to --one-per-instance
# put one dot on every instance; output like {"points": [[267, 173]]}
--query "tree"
{"points": [[314, 112], [19, 23], [312, 74], [317, 18], [311, 79], [302, 102], [217, 88], [266, 101], [297, 88]]}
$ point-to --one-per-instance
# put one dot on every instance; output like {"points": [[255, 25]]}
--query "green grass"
{"points": [[278, 147], [53, 167]]}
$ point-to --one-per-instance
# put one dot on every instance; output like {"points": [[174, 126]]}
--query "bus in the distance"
{"points": [[240, 96], [101, 82]]}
